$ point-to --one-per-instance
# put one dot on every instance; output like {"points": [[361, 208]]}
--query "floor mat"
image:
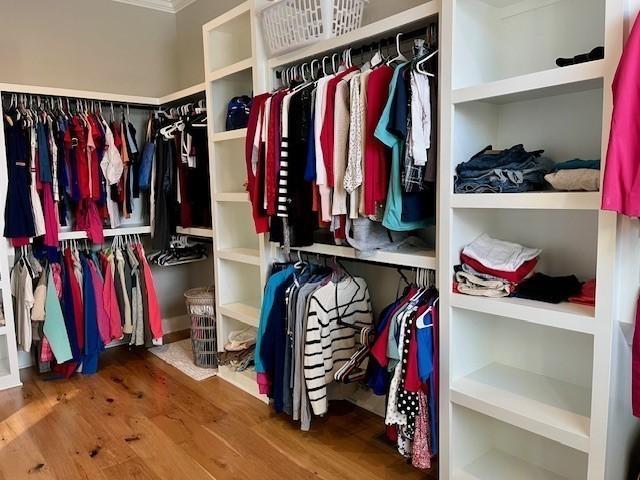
{"points": [[179, 355]]}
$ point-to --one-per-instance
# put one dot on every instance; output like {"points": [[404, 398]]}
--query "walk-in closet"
{"points": [[331, 239]]}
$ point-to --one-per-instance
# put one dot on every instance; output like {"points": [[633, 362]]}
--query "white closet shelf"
{"points": [[497, 465], [237, 67], [195, 232], [547, 83], [227, 17], [246, 312], [86, 94], [243, 380], [548, 200], [412, 16], [543, 405], [6, 379], [407, 257], [566, 315], [109, 232], [242, 255], [233, 197], [184, 93], [240, 133]]}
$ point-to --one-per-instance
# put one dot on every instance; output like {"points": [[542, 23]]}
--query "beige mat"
{"points": [[178, 355]]}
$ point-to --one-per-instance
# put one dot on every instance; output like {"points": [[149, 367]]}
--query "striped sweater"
{"points": [[329, 344]]}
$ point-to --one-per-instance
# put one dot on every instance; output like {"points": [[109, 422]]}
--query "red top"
{"points": [[514, 277], [255, 181], [376, 155], [327, 133], [273, 152], [76, 138], [98, 143]]}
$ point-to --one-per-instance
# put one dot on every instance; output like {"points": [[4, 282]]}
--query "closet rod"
{"points": [[370, 46], [143, 106], [193, 98]]}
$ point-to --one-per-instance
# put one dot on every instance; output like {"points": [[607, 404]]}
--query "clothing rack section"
{"points": [[324, 335], [72, 302], [182, 179], [73, 164], [343, 154]]}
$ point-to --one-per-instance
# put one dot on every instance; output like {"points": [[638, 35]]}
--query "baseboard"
{"points": [[169, 325]]}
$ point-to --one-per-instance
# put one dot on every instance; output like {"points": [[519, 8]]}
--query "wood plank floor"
{"points": [[140, 418]]}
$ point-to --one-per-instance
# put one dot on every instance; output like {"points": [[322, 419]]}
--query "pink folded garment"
{"points": [[587, 294]]}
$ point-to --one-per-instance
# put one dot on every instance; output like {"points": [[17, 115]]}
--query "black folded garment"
{"points": [[595, 54], [548, 289]]}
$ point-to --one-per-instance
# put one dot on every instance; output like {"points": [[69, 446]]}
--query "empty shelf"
{"points": [[497, 465], [547, 83], [566, 315], [242, 255], [543, 405], [245, 381], [245, 312], [230, 70], [530, 200], [195, 232], [230, 135]]}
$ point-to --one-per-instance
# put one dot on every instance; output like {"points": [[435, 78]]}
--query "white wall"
{"points": [[114, 47], [189, 22], [379, 9], [89, 45]]}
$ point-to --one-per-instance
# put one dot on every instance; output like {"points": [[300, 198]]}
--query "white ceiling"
{"points": [[170, 6]]}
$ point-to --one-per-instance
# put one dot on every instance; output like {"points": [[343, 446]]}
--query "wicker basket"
{"points": [[292, 24], [202, 310]]}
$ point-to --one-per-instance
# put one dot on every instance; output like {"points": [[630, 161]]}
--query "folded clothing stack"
{"points": [[513, 170], [575, 175], [548, 289], [493, 268], [587, 295], [239, 351]]}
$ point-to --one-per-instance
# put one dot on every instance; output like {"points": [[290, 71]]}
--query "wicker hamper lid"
{"points": [[202, 295]]}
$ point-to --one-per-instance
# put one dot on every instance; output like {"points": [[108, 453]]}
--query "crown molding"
{"points": [[168, 6]]}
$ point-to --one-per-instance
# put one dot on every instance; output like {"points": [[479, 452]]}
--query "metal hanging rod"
{"points": [[428, 32]]}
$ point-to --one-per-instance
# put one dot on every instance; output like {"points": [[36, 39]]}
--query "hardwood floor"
{"points": [[140, 418]]}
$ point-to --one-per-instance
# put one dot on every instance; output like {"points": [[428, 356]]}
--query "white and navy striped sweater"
{"points": [[329, 344]]}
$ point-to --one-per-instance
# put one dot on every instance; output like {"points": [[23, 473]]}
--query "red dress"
{"points": [[376, 155]]}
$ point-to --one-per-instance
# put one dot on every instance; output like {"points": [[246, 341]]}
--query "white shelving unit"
{"points": [[234, 66], [519, 376]]}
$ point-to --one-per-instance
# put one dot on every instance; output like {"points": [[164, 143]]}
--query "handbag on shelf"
{"points": [[238, 111]]}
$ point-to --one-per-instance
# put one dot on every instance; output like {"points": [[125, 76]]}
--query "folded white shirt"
{"points": [[498, 254]]}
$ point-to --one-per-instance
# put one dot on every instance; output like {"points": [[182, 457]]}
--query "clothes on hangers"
{"points": [[178, 177], [75, 311], [319, 152], [66, 169], [181, 251], [317, 331], [309, 329]]}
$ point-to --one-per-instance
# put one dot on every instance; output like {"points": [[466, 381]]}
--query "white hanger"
{"points": [[312, 70], [420, 64], [324, 68], [400, 56]]}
